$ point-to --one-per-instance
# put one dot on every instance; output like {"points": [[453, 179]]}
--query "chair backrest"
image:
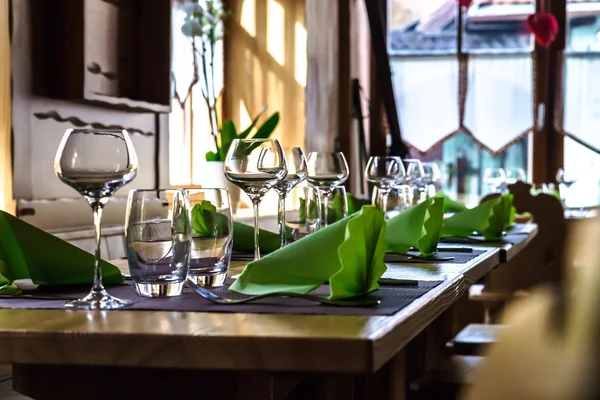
{"points": [[542, 260], [550, 346]]}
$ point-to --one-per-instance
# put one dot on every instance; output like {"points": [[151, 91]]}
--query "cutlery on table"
{"points": [[367, 301]]}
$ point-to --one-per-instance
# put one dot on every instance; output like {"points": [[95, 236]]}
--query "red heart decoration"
{"points": [[544, 27], [465, 3]]}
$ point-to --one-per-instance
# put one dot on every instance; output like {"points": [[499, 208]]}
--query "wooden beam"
{"points": [[7, 202], [328, 86], [548, 143]]}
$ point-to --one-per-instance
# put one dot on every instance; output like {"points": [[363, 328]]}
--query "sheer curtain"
{"points": [[582, 99], [426, 92], [499, 106]]}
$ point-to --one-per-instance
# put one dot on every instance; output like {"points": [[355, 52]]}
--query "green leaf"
{"points": [[245, 133], [228, 134], [266, 129], [212, 156]]}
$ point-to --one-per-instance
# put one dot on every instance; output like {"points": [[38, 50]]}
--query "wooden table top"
{"points": [[234, 341]]}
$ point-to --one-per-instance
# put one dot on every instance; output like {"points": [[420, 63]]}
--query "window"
{"points": [[581, 119], [470, 109]]}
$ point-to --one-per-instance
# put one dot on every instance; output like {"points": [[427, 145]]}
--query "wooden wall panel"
{"points": [[6, 194]]}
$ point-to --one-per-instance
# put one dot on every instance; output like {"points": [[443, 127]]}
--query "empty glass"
{"points": [[158, 238], [326, 170], [302, 212], [255, 165], [565, 179], [414, 180], [495, 178], [96, 163], [296, 173], [431, 175], [514, 175], [336, 203], [212, 236], [384, 171]]}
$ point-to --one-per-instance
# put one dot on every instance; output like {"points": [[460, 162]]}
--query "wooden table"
{"points": [[144, 354]]}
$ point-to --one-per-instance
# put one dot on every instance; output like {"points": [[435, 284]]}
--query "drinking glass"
{"points": [[514, 175], [337, 205], [431, 175], [384, 171], [255, 165], [326, 170], [495, 178], [565, 179], [158, 237], [212, 236], [302, 211], [414, 180], [96, 163], [296, 173]]}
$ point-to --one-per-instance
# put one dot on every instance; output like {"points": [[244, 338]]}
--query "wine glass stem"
{"points": [[256, 229], [383, 198], [281, 219], [325, 208], [97, 209]]}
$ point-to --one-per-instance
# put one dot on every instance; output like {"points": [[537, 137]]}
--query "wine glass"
{"points": [[432, 175], [514, 175], [384, 171], [96, 163], [495, 178], [296, 173], [565, 180], [326, 170], [255, 165], [414, 180]]}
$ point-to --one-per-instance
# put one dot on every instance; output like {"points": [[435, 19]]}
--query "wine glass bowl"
{"points": [[414, 180], [384, 171], [431, 175], [96, 163], [514, 175], [256, 166], [495, 178], [326, 170]]}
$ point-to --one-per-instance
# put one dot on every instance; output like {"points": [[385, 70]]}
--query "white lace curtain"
{"points": [[498, 105]]}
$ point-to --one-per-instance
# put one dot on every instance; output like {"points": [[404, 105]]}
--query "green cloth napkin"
{"points": [[355, 204], [488, 219], [420, 227], [243, 239], [27, 252], [348, 254], [450, 205]]}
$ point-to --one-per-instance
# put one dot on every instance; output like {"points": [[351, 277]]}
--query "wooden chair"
{"points": [[542, 259], [550, 346]]}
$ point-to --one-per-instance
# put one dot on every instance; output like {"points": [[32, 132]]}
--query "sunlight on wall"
{"points": [[248, 19], [275, 31], [301, 61]]}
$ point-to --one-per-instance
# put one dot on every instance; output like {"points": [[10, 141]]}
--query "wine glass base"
{"points": [[97, 300]]}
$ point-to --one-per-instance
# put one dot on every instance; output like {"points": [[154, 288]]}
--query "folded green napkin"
{"points": [[207, 222], [243, 239], [27, 252], [450, 205], [488, 219], [355, 204], [419, 226], [348, 254]]}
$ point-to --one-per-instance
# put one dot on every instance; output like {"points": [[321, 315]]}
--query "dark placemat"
{"points": [[393, 299], [480, 240], [441, 257]]}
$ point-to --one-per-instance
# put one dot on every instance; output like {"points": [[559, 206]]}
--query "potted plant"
{"points": [[203, 25]]}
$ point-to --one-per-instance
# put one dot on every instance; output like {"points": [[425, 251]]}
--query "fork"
{"points": [[370, 301]]}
